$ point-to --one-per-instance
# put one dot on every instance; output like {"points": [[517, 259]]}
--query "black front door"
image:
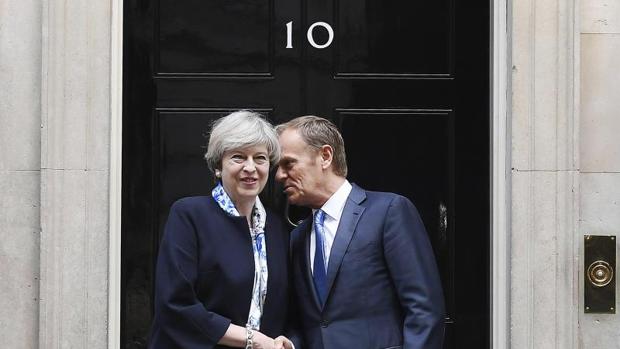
{"points": [[407, 82]]}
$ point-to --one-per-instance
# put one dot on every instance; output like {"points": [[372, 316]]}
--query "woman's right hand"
{"points": [[261, 341]]}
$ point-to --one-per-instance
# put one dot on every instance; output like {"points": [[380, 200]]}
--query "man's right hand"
{"points": [[283, 343]]}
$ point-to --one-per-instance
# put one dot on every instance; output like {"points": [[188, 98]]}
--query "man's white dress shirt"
{"points": [[333, 211]]}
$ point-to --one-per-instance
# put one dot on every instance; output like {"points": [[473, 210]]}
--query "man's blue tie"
{"points": [[319, 272]]}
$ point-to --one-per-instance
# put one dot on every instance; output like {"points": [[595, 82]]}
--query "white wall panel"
{"points": [[600, 102], [20, 96], [545, 164], [75, 157]]}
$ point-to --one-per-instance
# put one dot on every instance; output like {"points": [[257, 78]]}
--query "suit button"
{"points": [[324, 323]]}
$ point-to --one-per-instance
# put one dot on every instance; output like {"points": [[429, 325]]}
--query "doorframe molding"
{"points": [[116, 175], [500, 176]]}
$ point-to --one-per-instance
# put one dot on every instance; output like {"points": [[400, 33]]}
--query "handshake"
{"points": [[257, 340], [245, 337]]}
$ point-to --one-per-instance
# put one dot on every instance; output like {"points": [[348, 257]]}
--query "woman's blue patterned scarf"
{"points": [[257, 232]]}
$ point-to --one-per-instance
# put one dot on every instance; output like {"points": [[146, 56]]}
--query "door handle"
{"points": [[443, 223], [286, 214], [295, 215]]}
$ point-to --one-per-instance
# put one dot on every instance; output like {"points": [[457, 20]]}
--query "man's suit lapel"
{"points": [[306, 228], [346, 228]]}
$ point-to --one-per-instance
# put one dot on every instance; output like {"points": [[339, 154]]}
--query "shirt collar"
{"points": [[335, 205]]}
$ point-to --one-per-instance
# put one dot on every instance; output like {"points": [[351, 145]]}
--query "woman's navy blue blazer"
{"points": [[205, 275]]}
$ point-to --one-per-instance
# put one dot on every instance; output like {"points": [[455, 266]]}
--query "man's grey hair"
{"points": [[238, 130], [317, 132]]}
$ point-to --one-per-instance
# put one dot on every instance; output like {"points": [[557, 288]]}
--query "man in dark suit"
{"points": [[364, 274]]}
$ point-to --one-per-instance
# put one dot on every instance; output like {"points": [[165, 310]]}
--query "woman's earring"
{"points": [[218, 174]]}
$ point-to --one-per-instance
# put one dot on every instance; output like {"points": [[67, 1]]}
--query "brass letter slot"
{"points": [[600, 274]]}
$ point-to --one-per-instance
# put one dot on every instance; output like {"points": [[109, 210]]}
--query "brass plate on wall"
{"points": [[599, 274]]}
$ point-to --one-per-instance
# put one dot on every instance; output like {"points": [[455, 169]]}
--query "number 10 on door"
{"points": [[310, 34]]}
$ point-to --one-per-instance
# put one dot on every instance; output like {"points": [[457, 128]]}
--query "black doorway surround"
{"points": [[407, 82]]}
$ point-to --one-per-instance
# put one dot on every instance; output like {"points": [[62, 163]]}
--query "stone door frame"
{"points": [[500, 193]]}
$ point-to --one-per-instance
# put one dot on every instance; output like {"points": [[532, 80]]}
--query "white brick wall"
{"points": [[545, 140], [20, 108], [75, 173], [600, 146]]}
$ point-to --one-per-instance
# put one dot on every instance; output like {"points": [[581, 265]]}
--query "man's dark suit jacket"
{"points": [[383, 285], [205, 275]]}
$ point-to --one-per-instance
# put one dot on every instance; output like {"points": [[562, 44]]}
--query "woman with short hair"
{"points": [[222, 269]]}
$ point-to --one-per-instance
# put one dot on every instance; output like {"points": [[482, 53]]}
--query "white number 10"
{"points": [[309, 34]]}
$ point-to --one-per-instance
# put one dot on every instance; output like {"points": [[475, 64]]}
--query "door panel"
{"points": [[406, 82], [388, 37], [417, 161], [201, 37]]}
